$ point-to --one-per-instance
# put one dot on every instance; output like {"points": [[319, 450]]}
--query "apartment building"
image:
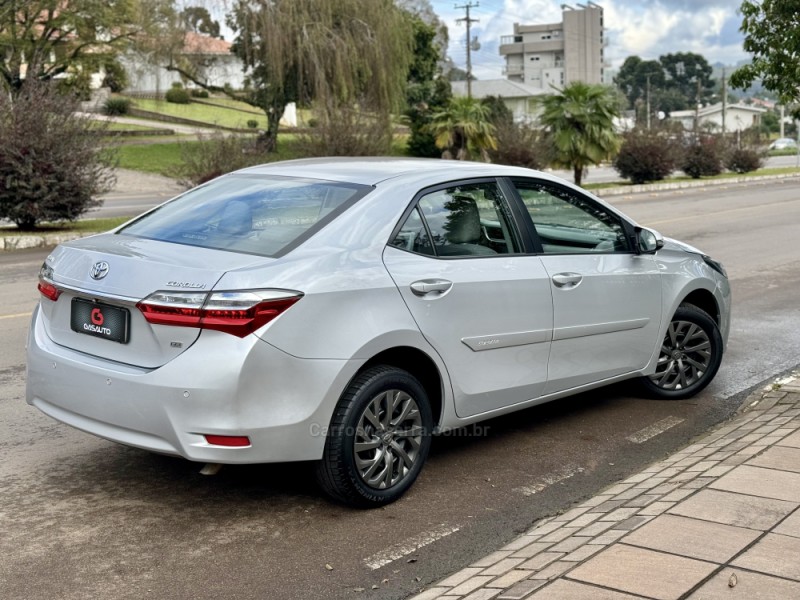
{"points": [[557, 53]]}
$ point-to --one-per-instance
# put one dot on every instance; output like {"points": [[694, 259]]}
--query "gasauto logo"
{"points": [[99, 270]]}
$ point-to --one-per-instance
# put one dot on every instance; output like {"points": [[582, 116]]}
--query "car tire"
{"points": [[378, 439], [689, 358]]}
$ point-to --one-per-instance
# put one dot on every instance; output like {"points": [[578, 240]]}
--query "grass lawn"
{"points": [[215, 115], [163, 159], [85, 226]]}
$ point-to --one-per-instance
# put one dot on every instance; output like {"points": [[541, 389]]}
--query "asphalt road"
{"points": [[84, 518]]}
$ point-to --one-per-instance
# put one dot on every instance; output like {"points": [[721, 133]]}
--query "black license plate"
{"points": [[100, 320]]}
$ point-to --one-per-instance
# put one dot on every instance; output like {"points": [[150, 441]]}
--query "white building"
{"points": [[212, 58], [557, 54], [518, 97], [737, 117]]}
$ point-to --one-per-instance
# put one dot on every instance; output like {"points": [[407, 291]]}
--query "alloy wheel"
{"points": [[685, 356], [387, 439]]}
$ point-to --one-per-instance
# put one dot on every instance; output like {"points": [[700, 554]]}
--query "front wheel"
{"points": [[379, 438], [689, 358]]}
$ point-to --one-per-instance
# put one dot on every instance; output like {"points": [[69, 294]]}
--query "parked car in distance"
{"points": [[343, 310], [783, 144]]}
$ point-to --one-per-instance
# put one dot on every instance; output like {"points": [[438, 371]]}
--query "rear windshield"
{"points": [[253, 214]]}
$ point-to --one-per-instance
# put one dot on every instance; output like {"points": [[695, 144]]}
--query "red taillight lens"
{"points": [[236, 313], [46, 287], [233, 441], [48, 290]]}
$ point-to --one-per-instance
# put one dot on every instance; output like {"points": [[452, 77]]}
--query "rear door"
{"points": [[482, 303], [606, 298]]}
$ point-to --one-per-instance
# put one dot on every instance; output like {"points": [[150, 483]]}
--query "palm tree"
{"points": [[580, 120], [464, 129]]}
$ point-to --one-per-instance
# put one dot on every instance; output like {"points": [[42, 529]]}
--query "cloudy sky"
{"points": [[647, 28]]}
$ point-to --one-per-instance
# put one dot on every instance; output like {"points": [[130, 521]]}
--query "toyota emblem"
{"points": [[99, 270]]}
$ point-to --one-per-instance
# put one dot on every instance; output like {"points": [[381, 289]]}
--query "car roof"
{"points": [[373, 170]]}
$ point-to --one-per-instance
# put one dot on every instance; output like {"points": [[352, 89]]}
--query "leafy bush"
{"points": [[252, 124], [116, 78], [520, 145], [646, 156], [51, 168], [744, 160], [199, 93], [350, 133], [177, 95], [704, 157], [216, 154], [115, 107]]}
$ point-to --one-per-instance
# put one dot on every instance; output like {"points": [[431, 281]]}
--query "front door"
{"points": [[484, 306], [606, 298]]}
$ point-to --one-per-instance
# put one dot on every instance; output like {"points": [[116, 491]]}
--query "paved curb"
{"points": [[683, 185], [667, 531]]}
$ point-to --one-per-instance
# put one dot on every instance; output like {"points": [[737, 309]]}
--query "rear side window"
{"points": [[261, 215], [464, 220]]}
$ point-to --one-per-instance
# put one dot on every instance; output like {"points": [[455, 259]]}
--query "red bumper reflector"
{"points": [[48, 290], [233, 441]]}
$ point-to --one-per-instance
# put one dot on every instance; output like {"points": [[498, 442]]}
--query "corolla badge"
{"points": [[99, 270]]}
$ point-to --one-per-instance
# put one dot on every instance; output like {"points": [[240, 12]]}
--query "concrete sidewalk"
{"points": [[718, 519]]}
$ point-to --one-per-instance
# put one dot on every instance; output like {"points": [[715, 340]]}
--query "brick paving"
{"points": [[717, 519]]}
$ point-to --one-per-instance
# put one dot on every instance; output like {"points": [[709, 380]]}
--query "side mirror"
{"points": [[648, 241]]}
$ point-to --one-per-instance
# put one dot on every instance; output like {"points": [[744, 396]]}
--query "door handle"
{"points": [[567, 280], [431, 288]]}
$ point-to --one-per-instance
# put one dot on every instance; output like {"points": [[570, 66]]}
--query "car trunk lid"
{"points": [[105, 276]]}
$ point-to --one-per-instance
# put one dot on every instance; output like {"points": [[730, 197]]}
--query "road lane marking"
{"points": [[653, 430], [17, 316], [550, 479], [409, 546]]}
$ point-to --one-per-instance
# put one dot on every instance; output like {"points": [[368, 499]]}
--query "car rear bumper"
{"points": [[222, 385]]}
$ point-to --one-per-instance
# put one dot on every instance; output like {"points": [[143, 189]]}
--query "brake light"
{"points": [[236, 313], [46, 287]]}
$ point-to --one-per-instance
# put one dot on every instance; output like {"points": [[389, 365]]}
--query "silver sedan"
{"points": [[345, 310]]}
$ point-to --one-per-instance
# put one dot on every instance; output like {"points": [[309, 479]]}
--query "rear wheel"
{"points": [[378, 440], [690, 356]]}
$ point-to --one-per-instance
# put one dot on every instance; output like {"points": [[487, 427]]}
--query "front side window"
{"points": [[263, 215], [567, 223], [464, 220]]}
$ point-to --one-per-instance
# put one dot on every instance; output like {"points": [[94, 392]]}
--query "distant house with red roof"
{"points": [[210, 57]]}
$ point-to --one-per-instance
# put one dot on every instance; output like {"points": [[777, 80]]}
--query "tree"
{"points": [[427, 91], [772, 35], [464, 131], [45, 39], [690, 73], [633, 77], [580, 120], [336, 53], [51, 165], [199, 20]]}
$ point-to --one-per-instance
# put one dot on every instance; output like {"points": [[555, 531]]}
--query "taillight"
{"points": [[236, 313], [46, 287]]}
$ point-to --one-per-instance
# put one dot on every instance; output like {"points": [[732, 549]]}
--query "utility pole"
{"points": [[724, 100], [648, 102], [469, 21]]}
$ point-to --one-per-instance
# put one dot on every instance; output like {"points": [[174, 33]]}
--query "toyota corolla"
{"points": [[343, 311]]}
